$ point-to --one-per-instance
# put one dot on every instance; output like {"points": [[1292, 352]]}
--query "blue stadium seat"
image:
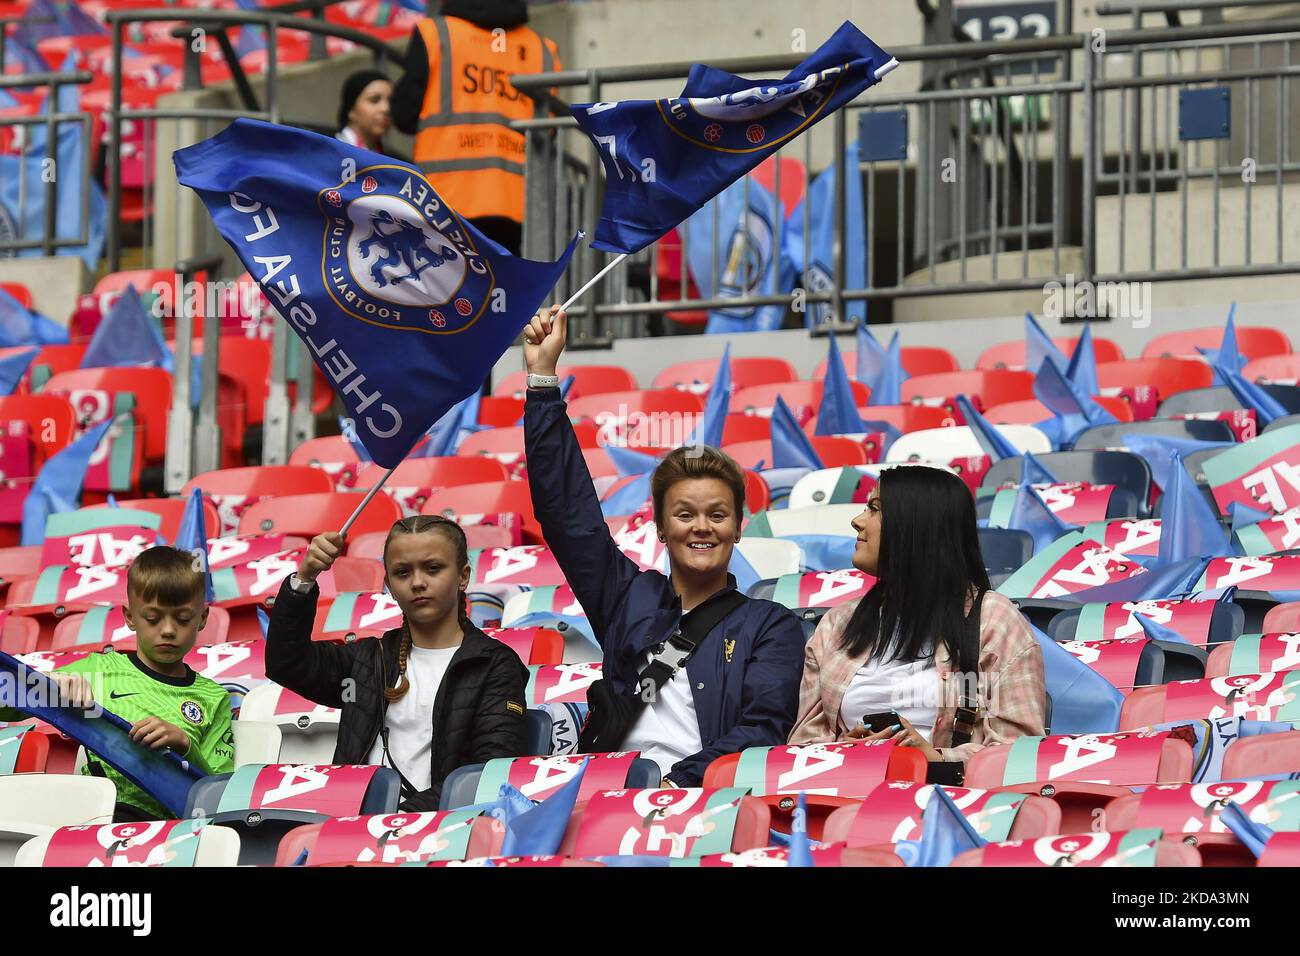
{"points": [[1221, 399], [1004, 551]]}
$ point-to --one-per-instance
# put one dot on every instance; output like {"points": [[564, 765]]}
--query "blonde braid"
{"points": [[403, 685]]}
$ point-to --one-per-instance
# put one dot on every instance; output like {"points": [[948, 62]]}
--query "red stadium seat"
{"points": [[1168, 854], [833, 451], [172, 512], [114, 284], [1037, 816], [311, 514], [646, 402], [19, 562], [368, 545], [257, 481], [1282, 618], [1216, 849], [300, 840], [762, 397], [68, 633], [906, 418], [916, 360], [698, 374], [441, 472], [491, 497], [19, 292], [1032, 411], [587, 380], [751, 830], [53, 359], [19, 634], [1282, 369], [1253, 341], [33, 753], [739, 427], [503, 441], [152, 388], [327, 448], [1012, 354], [991, 386], [248, 362], [51, 421], [500, 411], [1262, 756], [1167, 376], [352, 573]]}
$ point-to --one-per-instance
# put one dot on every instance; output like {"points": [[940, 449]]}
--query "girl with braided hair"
{"points": [[427, 697]]}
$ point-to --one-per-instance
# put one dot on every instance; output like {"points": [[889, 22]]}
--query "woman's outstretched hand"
{"points": [[544, 340]]}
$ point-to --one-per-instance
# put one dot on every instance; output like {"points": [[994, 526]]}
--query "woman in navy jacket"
{"points": [[741, 687]]}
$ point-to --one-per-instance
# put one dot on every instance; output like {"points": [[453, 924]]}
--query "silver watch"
{"points": [[543, 381]]}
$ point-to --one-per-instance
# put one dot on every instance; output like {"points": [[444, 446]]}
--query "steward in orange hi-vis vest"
{"points": [[463, 141]]}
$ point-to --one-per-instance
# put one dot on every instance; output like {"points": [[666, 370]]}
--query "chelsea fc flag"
{"points": [[664, 159], [403, 305]]}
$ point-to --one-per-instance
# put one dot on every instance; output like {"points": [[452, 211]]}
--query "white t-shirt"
{"points": [[410, 719], [667, 729], [909, 688]]}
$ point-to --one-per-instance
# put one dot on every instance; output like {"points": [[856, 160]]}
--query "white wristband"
{"points": [[543, 381]]}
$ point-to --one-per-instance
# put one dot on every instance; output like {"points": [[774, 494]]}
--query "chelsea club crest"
{"points": [[395, 256]]}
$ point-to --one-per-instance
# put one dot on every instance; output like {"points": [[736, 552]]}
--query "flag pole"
{"points": [[388, 474]]}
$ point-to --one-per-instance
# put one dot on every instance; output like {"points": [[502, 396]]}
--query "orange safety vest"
{"points": [[465, 144]]}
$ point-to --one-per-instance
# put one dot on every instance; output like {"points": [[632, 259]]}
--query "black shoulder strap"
{"points": [[968, 665], [680, 648]]}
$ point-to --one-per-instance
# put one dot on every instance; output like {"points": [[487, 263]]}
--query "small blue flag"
{"points": [[714, 421], [628, 461], [1227, 354], [193, 537], [539, 831], [449, 431], [1033, 471], [746, 576], [945, 834], [800, 852], [1074, 409], [1267, 408], [1253, 836], [13, 368], [405, 306], [664, 159], [1244, 516], [886, 385], [1188, 525], [870, 357], [58, 484], [129, 337], [1039, 346], [1031, 513], [1082, 367], [22, 326], [1157, 631], [790, 446], [1083, 702], [994, 443], [629, 499], [1162, 581], [838, 414]]}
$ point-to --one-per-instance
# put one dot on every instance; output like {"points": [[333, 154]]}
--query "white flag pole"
{"points": [[366, 500], [593, 280]]}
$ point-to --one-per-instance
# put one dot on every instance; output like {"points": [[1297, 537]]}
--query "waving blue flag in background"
{"points": [[1083, 702], [1227, 354], [58, 483], [819, 208], [664, 159], [539, 831], [404, 306], [193, 537], [838, 414], [13, 368], [945, 833]]}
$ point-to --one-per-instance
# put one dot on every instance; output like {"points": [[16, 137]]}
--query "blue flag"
{"points": [[886, 385], [127, 336], [746, 576], [1227, 354], [193, 537], [800, 852], [58, 484], [870, 357], [790, 446], [1267, 408], [664, 159], [1244, 516], [1033, 471], [1188, 525], [1074, 409], [13, 368], [838, 414], [945, 834], [1083, 702], [994, 443], [350, 434], [20, 325], [1082, 367], [449, 431], [1039, 346], [1162, 581], [1030, 513], [1157, 631], [539, 831], [1253, 836], [629, 461], [1156, 451], [711, 426], [629, 499], [263, 621], [742, 254], [819, 208], [404, 306]]}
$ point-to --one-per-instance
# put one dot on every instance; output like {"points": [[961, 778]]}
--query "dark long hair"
{"points": [[929, 564]]}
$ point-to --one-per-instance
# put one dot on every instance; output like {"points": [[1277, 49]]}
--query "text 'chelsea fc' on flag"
{"points": [[404, 306], [664, 159]]}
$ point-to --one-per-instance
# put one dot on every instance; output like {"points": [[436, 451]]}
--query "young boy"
{"points": [[168, 704]]}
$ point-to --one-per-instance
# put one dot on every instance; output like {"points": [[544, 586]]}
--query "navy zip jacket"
{"points": [[745, 698]]}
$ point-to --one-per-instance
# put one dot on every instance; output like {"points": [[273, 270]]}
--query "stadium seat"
{"points": [[1252, 341], [770, 557], [1036, 816], [1258, 652], [697, 374], [53, 359], [629, 812], [172, 512], [760, 399], [19, 634], [114, 284], [444, 472], [233, 490], [1283, 618], [311, 514], [1012, 354], [1168, 853], [18, 291], [307, 736], [34, 804], [256, 741], [1103, 437], [489, 497], [1220, 398], [218, 846], [303, 840], [1263, 756], [1004, 551], [51, 421], [915, 359], [738, 427], [1032, 411], [1226, 623], [103, 627], [1216, 849], [646, 402], [906, 418], [757, 494], [33, 750], [833, 451], [861, 768], [984, 387], [1120, 468], [587, 380], [1284, 369], [151, 387], [327, 448], [461, 788], [822, 519], [247, 362], [942, 445], [1151, 705], [499, 411], [1167, 376]]}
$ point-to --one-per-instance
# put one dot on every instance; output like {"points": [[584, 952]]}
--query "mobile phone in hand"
{"points": [[878, 722]]}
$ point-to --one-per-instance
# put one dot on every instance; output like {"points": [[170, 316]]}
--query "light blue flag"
{"points": [[1155, 451], [886, 386], [790, 446], [820, 267], [994, 443], [748, 263], [1030, 513], [1074, 410], [1033, 471], [129, 337], [1215, 736], [22, 326], [13, 368], [1157, 631], [1253, 836], [838, 413], [1162, 581], [58, 484], [1244, 516], [1188, 525], [449, 431], [710, 428], [628, 461], [193, 537], [1039, 346], [350, 433], [1083, 702], [539, 831], [800, 852], [1082, 368], [824, 552], [945, 834], [743, 571], [1227, 354], [1267, 408], [629, 499], [870, 358]]}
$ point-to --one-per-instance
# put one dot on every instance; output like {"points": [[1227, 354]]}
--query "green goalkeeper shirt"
{"points": [[198, 705]]}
